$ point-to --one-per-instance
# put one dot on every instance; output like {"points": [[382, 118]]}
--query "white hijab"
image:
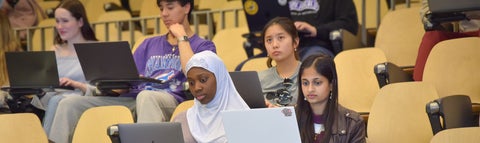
{"points": [[204, 120]]}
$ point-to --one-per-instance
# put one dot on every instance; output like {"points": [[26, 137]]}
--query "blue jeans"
{"points": [[313, 50]]}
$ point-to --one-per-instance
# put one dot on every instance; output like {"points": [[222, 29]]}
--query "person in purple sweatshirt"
{"points": [[158, 57]]}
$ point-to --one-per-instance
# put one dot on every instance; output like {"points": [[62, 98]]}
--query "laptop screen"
{"points": [[248, 86], [32, 69], [275, 125], [106, 61], [259, 12]]}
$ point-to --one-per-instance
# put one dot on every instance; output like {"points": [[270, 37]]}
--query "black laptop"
{"points": [[30, 72], [259, 12], [110, 65], [248, 86]]}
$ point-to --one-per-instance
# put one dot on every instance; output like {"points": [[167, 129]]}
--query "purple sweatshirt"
{"points": [[156, 58]]}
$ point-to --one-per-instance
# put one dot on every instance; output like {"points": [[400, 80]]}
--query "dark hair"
{"points": [[325, 66], [287, 25], [77, 10], [182, 3]]}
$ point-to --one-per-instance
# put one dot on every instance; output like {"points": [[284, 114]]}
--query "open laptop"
{"points": [[164, 132], [248, 86], [452, 6], [275, 125], [30, 72], [259, 12], [109, 64]]}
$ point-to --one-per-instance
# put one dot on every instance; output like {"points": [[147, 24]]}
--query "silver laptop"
{"points": [[248, 86], [450, 6], [164, 132], [265, 125]]}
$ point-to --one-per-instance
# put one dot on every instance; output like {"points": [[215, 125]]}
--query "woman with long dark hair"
{"points": [[320, 117]]}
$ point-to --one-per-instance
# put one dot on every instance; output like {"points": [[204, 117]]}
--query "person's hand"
{"points": [[270, 105], [305, 27], [72, 83], [177, 30], [68, 82]]}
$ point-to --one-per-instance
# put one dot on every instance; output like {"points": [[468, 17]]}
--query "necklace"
{"points": [[174, 47]]}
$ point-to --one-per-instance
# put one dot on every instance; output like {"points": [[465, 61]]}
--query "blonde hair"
{"points": [[8, 43]]}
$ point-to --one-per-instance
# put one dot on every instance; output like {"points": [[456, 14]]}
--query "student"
{"points": [[157, 57], [157, 102], [320, 117], [22, 13], [317, 18], [8, 43], [73, 27], [214, 92], [281, 42]]}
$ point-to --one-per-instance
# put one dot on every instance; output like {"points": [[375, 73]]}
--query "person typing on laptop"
{"points": [[281, 42], [157, 57], [320, 117], [73, 27], [214, 91], [317, 18]]}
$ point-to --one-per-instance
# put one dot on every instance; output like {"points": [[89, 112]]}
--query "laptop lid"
{"points": [[275, 125], [248, 86], [164, 132], [32, 69], [450, 6], [107, 61], [259, 12]]}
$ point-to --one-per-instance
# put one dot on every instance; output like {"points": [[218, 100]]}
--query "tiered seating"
{"points": [[93, 124], [229, 43], [398, 114], [21, 128], [452, 67]]}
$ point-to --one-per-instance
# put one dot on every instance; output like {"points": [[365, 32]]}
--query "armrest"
{"points": [[344, 40], [387, 73]]}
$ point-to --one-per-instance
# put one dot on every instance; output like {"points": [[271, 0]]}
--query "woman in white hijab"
{"points": [[214, 92]]}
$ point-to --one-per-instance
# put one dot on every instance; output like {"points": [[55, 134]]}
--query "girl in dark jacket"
{"points": [[320, 117]]}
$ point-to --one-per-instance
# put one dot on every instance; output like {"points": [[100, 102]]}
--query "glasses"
{"points": [[282, 96]]}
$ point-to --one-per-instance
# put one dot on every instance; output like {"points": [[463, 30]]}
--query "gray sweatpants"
{"points": [[70, 109], [155, 106]]}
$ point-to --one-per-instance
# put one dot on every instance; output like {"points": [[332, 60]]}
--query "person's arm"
{"points": [[184, 48], [358, 132], [345, 18]]}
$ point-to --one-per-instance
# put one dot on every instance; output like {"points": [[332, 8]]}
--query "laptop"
{"points": [[452, 6], [109, 65], [164, 132], [275, 125], [30, 72], [248, 86], [259, 12]]}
